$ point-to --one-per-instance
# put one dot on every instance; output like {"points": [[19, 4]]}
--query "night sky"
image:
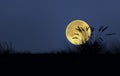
{"points": [[39, 25]]}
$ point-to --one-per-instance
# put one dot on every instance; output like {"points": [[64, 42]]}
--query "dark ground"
{"points": [[94, 52]]}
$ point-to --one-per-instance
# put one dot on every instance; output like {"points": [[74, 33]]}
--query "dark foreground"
{"points": [[60, 58], [60, 63]]}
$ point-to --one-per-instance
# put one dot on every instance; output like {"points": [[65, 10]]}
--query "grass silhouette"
{"points": [[96, 43], [94, 46], [6, 48]]}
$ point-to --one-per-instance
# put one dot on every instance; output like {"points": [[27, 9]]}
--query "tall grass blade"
{"points": [[104, 28]]}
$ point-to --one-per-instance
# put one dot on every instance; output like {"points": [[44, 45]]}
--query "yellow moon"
{"points": [[78, 32]]}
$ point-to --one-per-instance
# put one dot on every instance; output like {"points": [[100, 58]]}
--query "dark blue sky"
{"points": [[39, 25]]}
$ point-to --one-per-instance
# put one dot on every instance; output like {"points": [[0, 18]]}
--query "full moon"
{"points": [[78, 32]]}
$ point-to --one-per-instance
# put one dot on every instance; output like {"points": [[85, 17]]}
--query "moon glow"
{"points": [[78, 32]]}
